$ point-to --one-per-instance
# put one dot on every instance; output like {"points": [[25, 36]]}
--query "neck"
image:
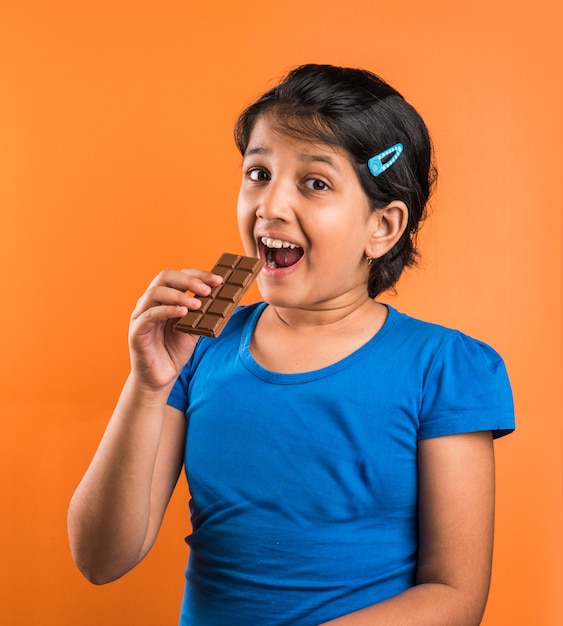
{"points": [[325, 318]]}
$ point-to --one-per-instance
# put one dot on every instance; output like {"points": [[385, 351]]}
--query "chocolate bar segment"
{"points": [[238, 273]]}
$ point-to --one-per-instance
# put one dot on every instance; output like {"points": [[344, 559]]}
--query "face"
{"points": [[302, 209]]}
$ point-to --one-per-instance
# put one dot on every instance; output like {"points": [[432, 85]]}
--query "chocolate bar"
{"points": [[238, 273]]}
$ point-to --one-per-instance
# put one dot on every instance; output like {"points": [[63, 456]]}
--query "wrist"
{"points": [[148, 394]]}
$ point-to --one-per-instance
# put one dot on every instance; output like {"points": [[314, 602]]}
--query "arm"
{"points": [[456, 511], [117, 509]]}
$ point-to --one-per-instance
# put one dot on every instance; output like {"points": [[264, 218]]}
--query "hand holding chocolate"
{"points": [[238, 274]]}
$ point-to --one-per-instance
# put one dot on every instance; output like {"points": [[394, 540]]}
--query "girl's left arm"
{"points": [[456, 519]]}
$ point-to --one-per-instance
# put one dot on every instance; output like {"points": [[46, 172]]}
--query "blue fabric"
{"points": [[304, 486]]}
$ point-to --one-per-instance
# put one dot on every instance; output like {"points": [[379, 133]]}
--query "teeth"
{"points": [[277, 243]]}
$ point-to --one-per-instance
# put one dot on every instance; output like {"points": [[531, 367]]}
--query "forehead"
{"points": [[270, 133]]}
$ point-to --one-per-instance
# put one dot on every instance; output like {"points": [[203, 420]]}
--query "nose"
{"points": [[276, 202]]}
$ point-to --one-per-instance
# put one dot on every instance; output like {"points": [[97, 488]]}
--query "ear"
{"points": [[385, 228]]}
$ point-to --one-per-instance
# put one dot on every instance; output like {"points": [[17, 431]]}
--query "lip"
{"points": [[274, 235], [280, 272], [277, 272]]}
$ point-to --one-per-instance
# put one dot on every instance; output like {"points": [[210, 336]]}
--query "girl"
{"points": [[339, 453]]}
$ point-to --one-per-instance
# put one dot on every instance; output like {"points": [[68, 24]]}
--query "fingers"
{"points": [[198, 282], [166, 296]]}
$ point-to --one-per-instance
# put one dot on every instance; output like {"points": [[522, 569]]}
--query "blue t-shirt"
{"points": [[304, 486]]}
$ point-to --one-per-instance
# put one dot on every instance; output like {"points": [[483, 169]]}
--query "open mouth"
{"points": [[278, 253]]}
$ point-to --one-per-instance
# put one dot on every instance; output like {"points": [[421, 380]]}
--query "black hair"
{"points": [[358, 111]]}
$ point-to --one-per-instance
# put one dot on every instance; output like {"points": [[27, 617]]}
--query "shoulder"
{"points": [[215, 352], [464, 381], [428, 343], [441, 342]]}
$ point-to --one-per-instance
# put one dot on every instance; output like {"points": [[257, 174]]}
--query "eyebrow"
{"points": [[306, 158], [315, 158], [254, 151]]}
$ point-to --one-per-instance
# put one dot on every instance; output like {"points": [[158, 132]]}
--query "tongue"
{"points": [[284, 257]]}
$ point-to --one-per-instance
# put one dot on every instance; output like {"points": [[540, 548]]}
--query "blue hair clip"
{"points": [[376, 165]]}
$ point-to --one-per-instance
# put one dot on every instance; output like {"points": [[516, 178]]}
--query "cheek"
{"points": [[341, 236], [245, 220], [343, 248]]}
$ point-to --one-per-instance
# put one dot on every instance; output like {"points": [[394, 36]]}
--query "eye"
{"points": [[257, 174], [316, 184]]}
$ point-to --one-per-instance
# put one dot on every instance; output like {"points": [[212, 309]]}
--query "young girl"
{"points": [[339, 453]]}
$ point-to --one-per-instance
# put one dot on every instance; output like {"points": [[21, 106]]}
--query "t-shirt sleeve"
{"points": [[467, 390], [178, 397]]}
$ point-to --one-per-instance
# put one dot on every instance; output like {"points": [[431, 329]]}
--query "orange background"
{"points": [[116, 160]]}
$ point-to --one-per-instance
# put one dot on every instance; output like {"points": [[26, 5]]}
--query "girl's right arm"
{"points": [[117, 509]]}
